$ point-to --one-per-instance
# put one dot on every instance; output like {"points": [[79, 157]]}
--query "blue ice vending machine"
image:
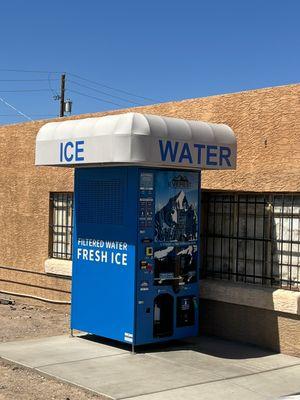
{"points": [[136, 243]]}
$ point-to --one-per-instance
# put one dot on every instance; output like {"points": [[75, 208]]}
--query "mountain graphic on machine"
{"points": [[177, 220], [184, 258]]}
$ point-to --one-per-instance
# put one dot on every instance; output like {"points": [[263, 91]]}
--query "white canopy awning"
{"points": [[136, 139]]}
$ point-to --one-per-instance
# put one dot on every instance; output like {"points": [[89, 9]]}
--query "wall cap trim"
{"points": [[249, 295], [55, 266]]}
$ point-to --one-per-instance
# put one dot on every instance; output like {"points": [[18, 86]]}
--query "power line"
{"points": [[29, 71], [84, 79], [24, 90], [14, 108], [28, 80], [50, 86], [112, 88], [105, 93], [96, 98], [32, 115]]}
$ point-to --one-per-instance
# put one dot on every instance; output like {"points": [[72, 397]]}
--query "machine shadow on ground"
{"points": [[203, 344]]}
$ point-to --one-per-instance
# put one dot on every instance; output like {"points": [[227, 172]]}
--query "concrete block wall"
{"points": [[265, 317]]}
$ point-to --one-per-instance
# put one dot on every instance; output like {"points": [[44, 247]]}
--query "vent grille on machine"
{"points": [[101, 202]]}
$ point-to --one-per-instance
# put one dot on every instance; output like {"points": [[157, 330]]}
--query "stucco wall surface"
{"points": [[266, 123]]}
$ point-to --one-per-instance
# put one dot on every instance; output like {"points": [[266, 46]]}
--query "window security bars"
{"points": [[61, 211], [252, 238]]}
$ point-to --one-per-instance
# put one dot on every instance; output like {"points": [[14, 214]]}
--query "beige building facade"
{"points": [[250, 301]]}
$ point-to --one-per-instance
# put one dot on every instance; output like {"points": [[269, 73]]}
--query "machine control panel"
{"points": [[146, 266], [167, 227], [149, 251], [146, 211], [167, 252], [146, 221]]}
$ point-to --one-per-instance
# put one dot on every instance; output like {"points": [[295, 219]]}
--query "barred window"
{"points": [[61, 211], [252, 238]]}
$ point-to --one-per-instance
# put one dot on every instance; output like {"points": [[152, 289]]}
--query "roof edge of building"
{"points": [[136, 109]]}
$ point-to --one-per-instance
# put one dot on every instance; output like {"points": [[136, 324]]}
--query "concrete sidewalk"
{"points": [[199, 368]]}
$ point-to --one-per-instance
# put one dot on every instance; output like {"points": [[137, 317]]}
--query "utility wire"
{"points": [[28, 80], [96, 98], [105, 93], [33, 115], [112, 88], [30, 71], [24, 90], [54, 93], [14, 108], [82, 78]]}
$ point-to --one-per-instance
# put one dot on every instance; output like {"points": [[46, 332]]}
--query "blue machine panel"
{"points": [[104, 246], [136, 253], [168, 260]]}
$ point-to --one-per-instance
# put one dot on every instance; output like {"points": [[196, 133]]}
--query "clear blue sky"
{"points": [[163, 50]]}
